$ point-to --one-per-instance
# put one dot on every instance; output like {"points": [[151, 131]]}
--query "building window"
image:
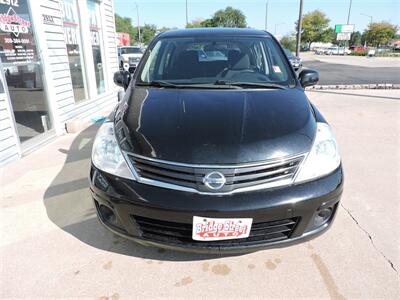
{"points": [[22, 69], [95, 31], [74, 48]]}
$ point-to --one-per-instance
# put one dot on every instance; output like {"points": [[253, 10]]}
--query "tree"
{"points": [[228, 17], [148, 31], [355, 39], [314, 25], [125, 25], [289, 42], [328, 36], [196, 23], [378, 34]]}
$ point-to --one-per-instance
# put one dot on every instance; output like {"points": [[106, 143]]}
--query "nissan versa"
{"points": [[215, 147]]}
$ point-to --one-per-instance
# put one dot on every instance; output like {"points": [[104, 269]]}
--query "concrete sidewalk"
{"points": [[53, 246]]}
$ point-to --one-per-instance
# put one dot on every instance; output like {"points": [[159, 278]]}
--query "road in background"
{"points": [[353, 70]]}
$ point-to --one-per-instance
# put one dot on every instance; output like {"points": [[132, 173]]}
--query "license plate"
{"points": [[216, 229]]}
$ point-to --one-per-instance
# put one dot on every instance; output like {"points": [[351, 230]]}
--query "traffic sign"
{"points": [[343, 36], [344, 28]]}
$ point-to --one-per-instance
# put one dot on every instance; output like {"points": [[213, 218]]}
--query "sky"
{"points": [[282, 14]]}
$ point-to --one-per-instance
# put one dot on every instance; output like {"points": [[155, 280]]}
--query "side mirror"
{"points": [[122, 78], [308, 77]]}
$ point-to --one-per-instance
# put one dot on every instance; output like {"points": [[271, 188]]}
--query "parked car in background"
{"points": [[295, 61], [336, 50], [358, 48], [217, 153], [129, 57]]}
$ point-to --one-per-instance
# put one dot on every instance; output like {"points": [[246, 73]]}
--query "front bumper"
{"points": [[131, 209]]}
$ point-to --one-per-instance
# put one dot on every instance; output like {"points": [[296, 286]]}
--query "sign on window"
{"points": [[16, 35]]}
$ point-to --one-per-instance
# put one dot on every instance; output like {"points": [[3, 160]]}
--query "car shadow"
{"points": [[69, 205]]}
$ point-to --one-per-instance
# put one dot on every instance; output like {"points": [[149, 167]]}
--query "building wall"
{"points": [[9, 149], [61, 89], [57, 76]]}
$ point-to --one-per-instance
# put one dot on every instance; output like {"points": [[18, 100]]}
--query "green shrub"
{"points": [[359, 53]]}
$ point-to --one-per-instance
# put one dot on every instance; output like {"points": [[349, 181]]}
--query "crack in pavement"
{"points": [[371, 240]]}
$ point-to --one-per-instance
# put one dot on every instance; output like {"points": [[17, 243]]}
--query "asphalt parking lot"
{"points": [[353, 70], [53, 246]]}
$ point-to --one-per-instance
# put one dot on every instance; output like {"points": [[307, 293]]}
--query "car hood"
{"points": [[217, 126]]}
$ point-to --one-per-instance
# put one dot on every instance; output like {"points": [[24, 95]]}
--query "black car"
{"points": [[223, 153], [295, 61]]}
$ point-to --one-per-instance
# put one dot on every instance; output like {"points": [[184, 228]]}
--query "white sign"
{"points": [[348, 28], [343, 36]]}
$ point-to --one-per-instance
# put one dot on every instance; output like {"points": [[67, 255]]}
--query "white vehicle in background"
{"points": [[336, 50], [129, 57]]}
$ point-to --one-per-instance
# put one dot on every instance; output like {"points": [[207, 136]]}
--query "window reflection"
{"points": [[94, 11], [22, 70], [28, 99], [74, 45]]}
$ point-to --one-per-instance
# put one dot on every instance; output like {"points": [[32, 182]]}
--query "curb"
{"points": [[374, 86]]}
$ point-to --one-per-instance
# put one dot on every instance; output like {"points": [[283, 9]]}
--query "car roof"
{"points": [[201, 32]]}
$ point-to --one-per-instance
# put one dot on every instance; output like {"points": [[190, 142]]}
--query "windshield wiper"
{"points": [[159, 83], [251, 84]]}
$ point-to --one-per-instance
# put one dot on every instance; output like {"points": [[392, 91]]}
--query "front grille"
{"points": [[242, 177], [181, 233]]}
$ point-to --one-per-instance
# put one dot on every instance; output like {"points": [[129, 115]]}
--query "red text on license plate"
{"points": [[214, 229]]}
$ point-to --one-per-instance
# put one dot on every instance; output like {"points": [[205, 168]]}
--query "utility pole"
{"points": [[298, 38], [370, 22], [266, 16], [348, 22], [187, 18], [348, 15], [138, 23]]}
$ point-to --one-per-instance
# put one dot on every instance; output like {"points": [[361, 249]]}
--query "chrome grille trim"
{"points": [[163, 174]]}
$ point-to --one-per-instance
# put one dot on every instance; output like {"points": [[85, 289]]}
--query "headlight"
{"points": [[106, 154], [324, 156]]}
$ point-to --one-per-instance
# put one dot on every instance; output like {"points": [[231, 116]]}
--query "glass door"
{"points": [[22, 70]]}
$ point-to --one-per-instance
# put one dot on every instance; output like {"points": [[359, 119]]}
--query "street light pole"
{"points": [[266, 16], [138, 23], [298, 38], [370, 17]]}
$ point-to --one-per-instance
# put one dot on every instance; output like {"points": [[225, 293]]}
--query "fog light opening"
{"points": [[323, 216], [108, 215]]}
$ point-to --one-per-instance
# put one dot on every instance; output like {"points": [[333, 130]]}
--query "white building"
{"points": [[58, 59]]}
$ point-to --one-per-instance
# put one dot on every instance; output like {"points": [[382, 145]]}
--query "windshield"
{"points": [[131, 50], [212, 60]]}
